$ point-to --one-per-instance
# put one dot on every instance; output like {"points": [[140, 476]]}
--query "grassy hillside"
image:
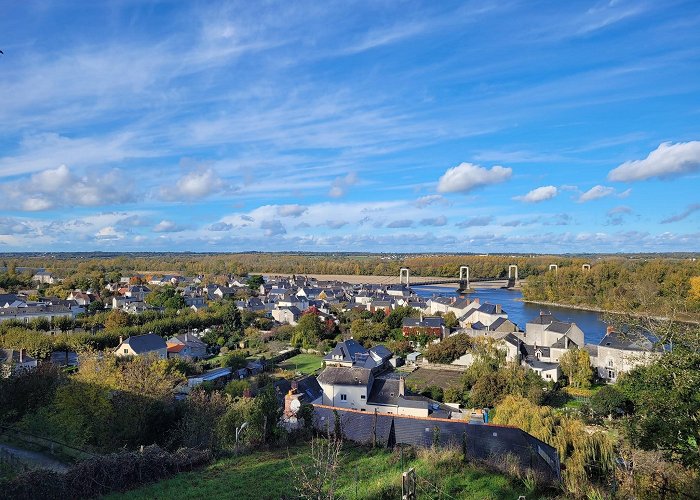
{"points": [[269, 474], [304, 363]]}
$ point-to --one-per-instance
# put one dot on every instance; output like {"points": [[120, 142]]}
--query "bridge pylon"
{"points": [[404, 272], [463, 278]]}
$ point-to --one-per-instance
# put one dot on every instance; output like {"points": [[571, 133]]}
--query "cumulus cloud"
{"points": [[595, 193], [668, 160], [341, 184], [273, 227], [167, 226], [691, 209], [430, 199], [247, 218], [477, 221], [108, 233], [291, 210], [60, 187], [336, 224], [539, 194], [467, 176], [434, 221], [220, 226], [400, 223], [194, 185], [13, 226]]}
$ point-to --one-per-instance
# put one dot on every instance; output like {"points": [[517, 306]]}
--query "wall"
{"points": [[485, 442]]}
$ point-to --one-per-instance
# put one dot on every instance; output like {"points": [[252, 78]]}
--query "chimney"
{"points": [[498, 309], [22, 354], [295, 386], [121, 339], [477, 300], [609, 329], [186, 338], [402, 386]]}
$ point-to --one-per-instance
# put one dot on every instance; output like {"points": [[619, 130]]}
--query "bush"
{"points": [[105, 474]]}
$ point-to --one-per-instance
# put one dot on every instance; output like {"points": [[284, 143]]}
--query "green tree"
{"points": [[666, 403], [254, 281], [450, 320], [608, 401], [576, 365], [308, 331]]}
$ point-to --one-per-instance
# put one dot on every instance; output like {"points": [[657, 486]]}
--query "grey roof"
{"points": [[146, 343], [332, 375], [381, 351], [427, 322], [189, 340], [490, 309], [627, 341], [529, 350], [559, 327], [499, 321], [544, 318], [347, 349], [542, 365], [512, 339], [386, 392], [561, 343]]}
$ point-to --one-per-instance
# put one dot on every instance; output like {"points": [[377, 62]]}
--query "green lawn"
{"points": [[304, 363], [268, 474]]}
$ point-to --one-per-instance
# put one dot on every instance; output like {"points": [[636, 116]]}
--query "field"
{"points": [[304, 363], [425, 377], [364, 473]]}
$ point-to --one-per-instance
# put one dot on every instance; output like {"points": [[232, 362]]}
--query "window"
{"points": [[610, 362], [126, 351], [343, 397], [362, 396], [548, 376]]}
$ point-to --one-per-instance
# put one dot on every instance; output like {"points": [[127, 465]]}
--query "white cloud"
{"points": [[108, 233], [194, 185], [430, 199], [273, 227], [400, 223], [438, 221], [340, 185], [476, 221], [467, 176], [60, 187], [595, 193], [291, 210], [539, 194], [167, 226], [668, 160]]}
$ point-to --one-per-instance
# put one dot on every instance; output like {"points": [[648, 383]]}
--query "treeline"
{"points": [[661, 287], [489, 266]]}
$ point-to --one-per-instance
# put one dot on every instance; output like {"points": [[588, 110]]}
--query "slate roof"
{"points": [[347, 349], [381, 351], [542, 365], [146, 343], [490, 309], [627, 341], [332, 375], [543, 319], [386, 392], [559, 327], [561, 343], [427, 322], [497, 323]]}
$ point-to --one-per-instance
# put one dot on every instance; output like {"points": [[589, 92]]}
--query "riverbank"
{"points": [[691, 321]]}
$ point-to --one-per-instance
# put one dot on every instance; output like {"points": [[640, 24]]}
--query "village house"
{"points": [[430, 325], [186, 346], [141, 345], [619, 353], [361, 379]]}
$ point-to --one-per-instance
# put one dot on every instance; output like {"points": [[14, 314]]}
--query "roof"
{"points": [[175, 347], [344, 376], [627, 341], [145, 343], [544, 318], [490, 309], [559, 327], [413, 356], [381, 351], [347, 350], [386, 392], [427, 322], [542, 365]]}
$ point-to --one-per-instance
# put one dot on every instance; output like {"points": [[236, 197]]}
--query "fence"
{"points": [[484, 442], [52, 446]]}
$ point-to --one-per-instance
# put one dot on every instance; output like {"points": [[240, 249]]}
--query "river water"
{"points": [[520, 312]]}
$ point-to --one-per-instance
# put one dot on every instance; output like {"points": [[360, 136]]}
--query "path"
{"points": [[33, 458]]}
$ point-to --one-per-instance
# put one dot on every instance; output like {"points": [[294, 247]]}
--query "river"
{"points": [[520, 312]]}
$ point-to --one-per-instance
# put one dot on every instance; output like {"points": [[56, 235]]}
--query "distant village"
{"points": [[354, 376]]}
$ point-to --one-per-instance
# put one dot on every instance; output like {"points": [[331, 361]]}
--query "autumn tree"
{"points": [[576, 365]]}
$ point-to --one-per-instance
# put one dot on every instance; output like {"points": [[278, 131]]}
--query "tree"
{"points": [[307, 333], [608, 401], [64, 323], [116, 319], [450, 320], [254, 281], [666, 403], [95, 306], [232, 320], [576, 365]]}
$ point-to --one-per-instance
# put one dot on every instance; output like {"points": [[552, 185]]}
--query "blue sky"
{"points": [[350, 126]]}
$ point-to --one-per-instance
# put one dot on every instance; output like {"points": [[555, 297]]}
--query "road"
{"points": [[33, 459]]}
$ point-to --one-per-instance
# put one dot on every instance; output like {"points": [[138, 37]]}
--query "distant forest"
{"points": [[655, 284]]}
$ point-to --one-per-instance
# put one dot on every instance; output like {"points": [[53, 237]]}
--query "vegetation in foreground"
{"points": [[362, 473]]}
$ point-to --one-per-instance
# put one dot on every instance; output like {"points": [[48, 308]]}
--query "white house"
{"points": [[140, 345]]}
